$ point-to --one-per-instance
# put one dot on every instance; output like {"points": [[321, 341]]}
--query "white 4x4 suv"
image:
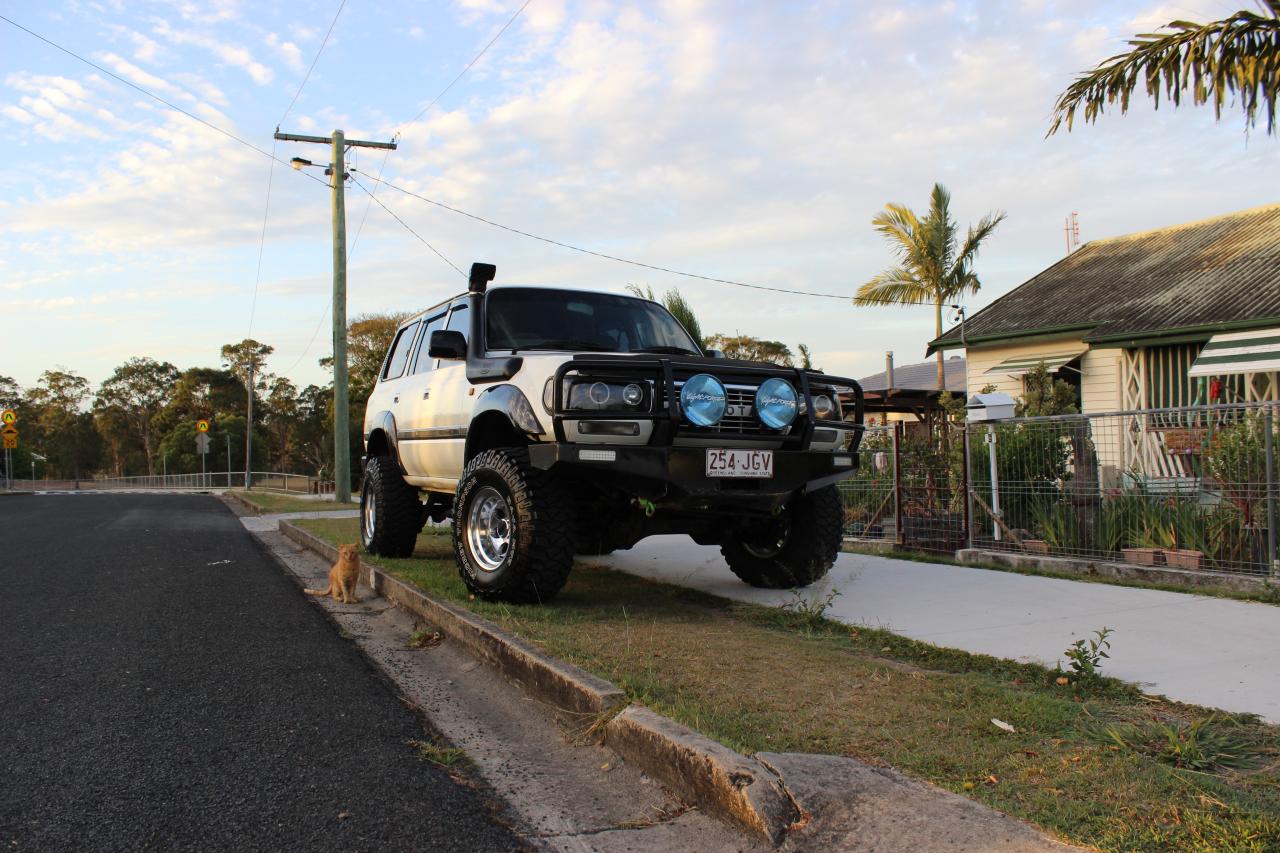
{"points": [[550, 422]]}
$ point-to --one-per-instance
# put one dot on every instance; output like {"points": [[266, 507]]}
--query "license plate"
{"points": [[739, 462]]}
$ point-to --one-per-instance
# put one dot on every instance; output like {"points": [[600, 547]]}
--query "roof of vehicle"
{"points": [[445, 303]]}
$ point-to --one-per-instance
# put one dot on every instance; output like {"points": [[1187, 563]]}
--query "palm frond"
{"points": [[1237, 57], [896, 286]]}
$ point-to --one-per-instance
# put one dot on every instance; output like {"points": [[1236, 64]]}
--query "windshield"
{"points": [[530, 318]]}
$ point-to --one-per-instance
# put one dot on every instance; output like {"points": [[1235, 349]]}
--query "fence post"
{"points": [[897, 483], [995, 483], [1269, 444], [968, 486]]}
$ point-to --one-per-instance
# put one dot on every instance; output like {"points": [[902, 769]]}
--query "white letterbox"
{"points": [[990, 407]]}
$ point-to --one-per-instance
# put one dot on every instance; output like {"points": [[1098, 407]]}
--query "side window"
{"points": [[460, 321], [422, 362], [400, 352]]}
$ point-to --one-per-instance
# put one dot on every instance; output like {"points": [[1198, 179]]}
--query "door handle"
{"points": [[395, 399], [426, 394]]}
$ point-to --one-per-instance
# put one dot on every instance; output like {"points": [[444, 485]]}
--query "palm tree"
{"points": [[931, 270], [679, 307], [1237, 56]]}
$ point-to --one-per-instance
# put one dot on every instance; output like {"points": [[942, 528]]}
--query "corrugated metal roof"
{"points": [[1222, 270], [920, 377]]}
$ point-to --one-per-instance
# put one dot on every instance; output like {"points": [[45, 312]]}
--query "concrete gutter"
{"points": [[746, 791]]}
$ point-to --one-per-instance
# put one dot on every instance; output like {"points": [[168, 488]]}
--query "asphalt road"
{"points": [[163, 685]]}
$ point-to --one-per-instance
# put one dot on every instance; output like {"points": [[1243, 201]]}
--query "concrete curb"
{"points": [[243, 504], [704, 772], [1190, 580], [561, 684]]}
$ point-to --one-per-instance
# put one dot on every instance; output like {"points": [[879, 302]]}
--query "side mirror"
{"points": [[447, 344], [714, 353]]}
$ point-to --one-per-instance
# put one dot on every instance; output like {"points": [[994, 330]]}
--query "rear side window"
{"points": [[400, 352], [423, 361]]}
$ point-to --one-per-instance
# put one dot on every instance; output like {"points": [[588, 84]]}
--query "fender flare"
{"points": [[385, 422], [510, 401]]}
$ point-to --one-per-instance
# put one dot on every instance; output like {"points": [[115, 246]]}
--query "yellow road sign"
{"points": [[9, 429], [202, 425], [8, 416], [10, 441]]}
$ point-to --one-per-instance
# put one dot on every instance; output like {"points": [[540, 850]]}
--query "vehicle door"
{"points": [[390, 388], [452, 398], [413, 409]]}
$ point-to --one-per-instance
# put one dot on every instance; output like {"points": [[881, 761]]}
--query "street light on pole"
{"points": [[341, 405]]}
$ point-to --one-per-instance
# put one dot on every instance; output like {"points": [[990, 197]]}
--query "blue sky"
{"points": [[749, 141]]}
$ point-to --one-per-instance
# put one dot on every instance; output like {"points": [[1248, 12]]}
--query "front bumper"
{"points": [[685, 468]]}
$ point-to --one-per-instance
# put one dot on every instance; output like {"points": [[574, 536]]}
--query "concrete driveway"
{"points": [[1208, 651]]}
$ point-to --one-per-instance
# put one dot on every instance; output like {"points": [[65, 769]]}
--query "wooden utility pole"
{"points": [[248, 431], [341, 404]]}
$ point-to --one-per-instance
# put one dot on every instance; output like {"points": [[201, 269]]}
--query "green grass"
{"points": [[1269, 594], [760, 678], [273, 502], [447, 757]]}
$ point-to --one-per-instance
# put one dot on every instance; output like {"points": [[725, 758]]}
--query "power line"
{"points": [[314, 335], [606, 257], [262, 241], [410, 230], [151, 95], [373, 195], [469, 64], [314, 60], [266, 211]]}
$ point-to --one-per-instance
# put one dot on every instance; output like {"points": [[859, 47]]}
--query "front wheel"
{"points": [[793, 550], [513, 528], [390, 512]]}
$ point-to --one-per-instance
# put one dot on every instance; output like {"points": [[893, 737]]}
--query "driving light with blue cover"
{"points": [[776, 403], [703, 400]]}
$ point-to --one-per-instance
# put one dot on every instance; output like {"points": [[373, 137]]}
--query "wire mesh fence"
{"points": [[300, 484], [1191, 488]]}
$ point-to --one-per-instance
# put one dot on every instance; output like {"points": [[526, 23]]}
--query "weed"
{"points": [[450, 758], [1086, 656], [807, 614], [425, 638], [345, 634], [1207, 744]]}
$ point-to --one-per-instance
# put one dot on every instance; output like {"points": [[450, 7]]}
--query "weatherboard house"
{"points": [[1178, 316]]}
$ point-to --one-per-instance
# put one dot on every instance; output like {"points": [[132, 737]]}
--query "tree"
{"points": [[131, 398], [57, 420], [10, 393], [238, 358], [931, 270], [1237, 56], [748, 348], [673, 300]]}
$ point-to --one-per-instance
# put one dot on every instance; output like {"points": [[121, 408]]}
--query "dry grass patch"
{"points": [[755, 679]]}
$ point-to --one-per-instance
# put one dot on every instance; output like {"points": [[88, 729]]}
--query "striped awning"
{"points": [[1022, 364], [1239, 352]]}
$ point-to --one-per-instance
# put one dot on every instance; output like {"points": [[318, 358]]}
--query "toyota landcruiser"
{"points": [[549, 422]]}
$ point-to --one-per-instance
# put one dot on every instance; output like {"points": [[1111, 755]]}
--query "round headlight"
{"points": [[823, 407], [633, 395], [703, 400], [776, 403], [598, 393]]}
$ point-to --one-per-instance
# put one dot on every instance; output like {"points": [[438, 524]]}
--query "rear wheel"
{"points": [[390, 512], [513, 528], [793, 550]]}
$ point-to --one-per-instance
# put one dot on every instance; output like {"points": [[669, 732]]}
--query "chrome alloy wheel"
{"points": [[771, 541], [369, 511], [489, 528]]}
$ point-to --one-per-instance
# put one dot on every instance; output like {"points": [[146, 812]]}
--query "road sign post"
{"points": [[202, 447]]}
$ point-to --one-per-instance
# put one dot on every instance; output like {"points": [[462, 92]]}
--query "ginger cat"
{"points": [[342, 577]]}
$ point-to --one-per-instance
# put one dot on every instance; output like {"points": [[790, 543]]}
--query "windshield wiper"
{"points": [[667, 350], [573, 344]]}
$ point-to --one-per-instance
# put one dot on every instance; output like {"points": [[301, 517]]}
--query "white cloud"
{"points": [[287, 50], [231, 54]]}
